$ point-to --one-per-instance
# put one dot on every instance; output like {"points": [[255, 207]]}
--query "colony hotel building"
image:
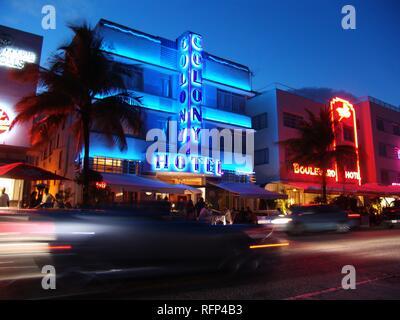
{"points": [[368, 124], [177, 80]]}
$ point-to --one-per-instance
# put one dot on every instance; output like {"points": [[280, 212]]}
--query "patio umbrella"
{"points": [[25, 171]]}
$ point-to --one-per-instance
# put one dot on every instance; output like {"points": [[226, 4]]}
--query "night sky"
{"points": [[297, 43]]}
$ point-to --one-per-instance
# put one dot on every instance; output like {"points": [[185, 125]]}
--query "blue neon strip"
{"points": [[210, 114], [227, 117], [131, 32], [228, 63]]}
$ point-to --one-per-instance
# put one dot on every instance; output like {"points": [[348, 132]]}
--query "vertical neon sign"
{"points": [[190, 116], [190, 61], [343, 111]]}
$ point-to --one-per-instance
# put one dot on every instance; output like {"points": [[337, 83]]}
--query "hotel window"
{"points": [[260, 121], [292, 121], [261, 157], [230, 102], [135, 80], [166, 87], [385, 176], [382, 149], [396, 129], [380, 125], [109, 165], [348, 133], [238, 103]]}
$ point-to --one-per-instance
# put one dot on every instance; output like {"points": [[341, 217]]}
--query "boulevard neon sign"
{"points": [[315, 171]]}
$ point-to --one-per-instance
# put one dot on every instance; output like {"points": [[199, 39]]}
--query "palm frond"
{"points": [[115, 117]]}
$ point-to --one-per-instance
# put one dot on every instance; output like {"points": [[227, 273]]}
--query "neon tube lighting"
{"points": [[227, 63], [346, 104], [131, 32]]}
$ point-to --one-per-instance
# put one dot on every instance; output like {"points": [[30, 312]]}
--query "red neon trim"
{"points": [[350, 106]]}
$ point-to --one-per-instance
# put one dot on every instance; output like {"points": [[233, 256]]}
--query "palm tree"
{"points": [[79, 74], [314, 145]]}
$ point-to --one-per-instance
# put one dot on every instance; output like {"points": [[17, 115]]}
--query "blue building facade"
{"points": [[180, 81]]}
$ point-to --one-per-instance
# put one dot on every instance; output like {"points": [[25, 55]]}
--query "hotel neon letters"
{"points": [[190, 116]]}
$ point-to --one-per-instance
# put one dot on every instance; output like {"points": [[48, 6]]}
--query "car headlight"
{"points": [[281, 221]]}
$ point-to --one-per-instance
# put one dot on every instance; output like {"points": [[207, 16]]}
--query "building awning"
{"points": [[142, 184], [365, 189], [25, 171], [188, 188], [249, 190], [382, 190]]}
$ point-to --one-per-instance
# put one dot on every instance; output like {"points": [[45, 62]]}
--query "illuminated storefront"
{"points": [[357, 126], [17, 48]]}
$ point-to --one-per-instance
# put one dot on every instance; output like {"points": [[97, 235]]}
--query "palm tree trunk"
{"points": [[86, 168], [324, 197]]}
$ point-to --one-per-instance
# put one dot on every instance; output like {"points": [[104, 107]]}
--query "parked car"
{"points": [[391, 214], [317, 218]]}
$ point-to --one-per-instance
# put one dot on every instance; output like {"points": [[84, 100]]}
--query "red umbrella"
{"points": [[24, 171]]}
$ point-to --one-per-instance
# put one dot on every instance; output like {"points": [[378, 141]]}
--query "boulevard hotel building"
{"points": [[368, 124], [180, 80]]}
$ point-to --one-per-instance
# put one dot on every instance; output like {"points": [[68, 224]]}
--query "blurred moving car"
{"points": [[107, 242], [391, 214], [316, 218]]}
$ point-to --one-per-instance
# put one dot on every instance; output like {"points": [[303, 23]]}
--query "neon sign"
{"points": [[168, 162], [330, 173], [5, 121], [190, 62], [101, 185], [343, 111], [190, 113], [15, 58]]}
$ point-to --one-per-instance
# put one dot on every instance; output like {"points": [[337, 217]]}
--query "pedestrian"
{"points": [[33, 201], [199, 206], [59, 201], [251, 217], [167, 204], [205, 215], [180, 206], [47, 199], [4, 198], [228, 216], [190, 210]]}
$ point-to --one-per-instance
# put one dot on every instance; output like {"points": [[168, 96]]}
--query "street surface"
{"points": [[309, 268]]}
